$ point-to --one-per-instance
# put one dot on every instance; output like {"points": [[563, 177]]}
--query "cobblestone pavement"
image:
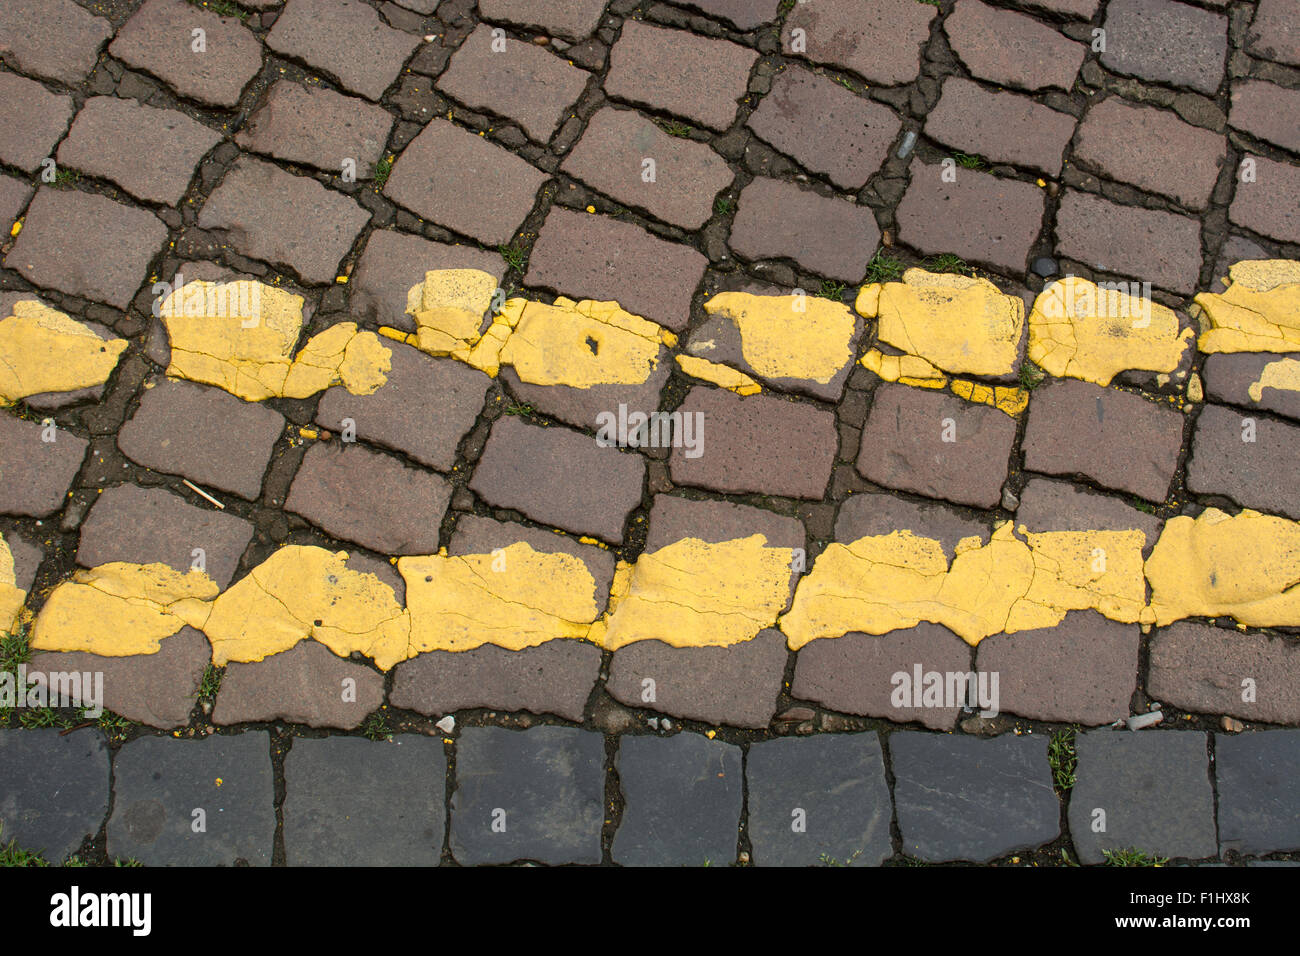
{"points": [[734, 431]]}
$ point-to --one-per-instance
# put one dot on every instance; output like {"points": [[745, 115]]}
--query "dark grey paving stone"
{"points": [[159, 783], [1254, 473], [1229, 377], [319, 127], [881, 41], [14, 194], [1047, 505], [972, 798], [53, 789], [1153, 788], [819, 799], [1275, 32], [1166, 42], [55, 39], [355, 802], [1001, 127], [1268, 204], [31, 121], [346, 39], [574, 18], [537, 794], [307, 684], [1012, 49], [37, 474], [681, 801], [1259, 803], [745, 14]]}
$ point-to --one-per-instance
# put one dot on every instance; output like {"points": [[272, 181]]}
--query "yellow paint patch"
{"points": [[1013, 401], [42, 350], [1079, 330], [305, 592], [906, 369], [1245, 566], [515, 598], [119, 609], [882, 583], [1283, 375], [721, 375], [1259, 312], [448, 307], [956, 323], [240, 336], [695, 594], [579, 344], [784, 336], [11, 595]]}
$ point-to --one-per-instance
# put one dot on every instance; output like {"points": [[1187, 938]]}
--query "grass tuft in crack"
{"points": [[1062, 757], [516, 259], [884, 268], [1131, 856], [381, 170]]}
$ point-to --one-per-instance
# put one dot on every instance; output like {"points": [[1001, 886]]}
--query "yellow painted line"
{"points": [[42, 350], [1259, 312], [789, 336], [11, 596]]}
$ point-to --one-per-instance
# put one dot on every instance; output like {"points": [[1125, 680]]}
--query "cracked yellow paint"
{"points": [[240, 335], [1245, 566], [692, 593], [302, 592], [905, 369], [1259, 312], [721, 375], [882, 583], [956, 323], [1010, 400], [119, 609], [1079, 330], [514, 598], [42, 350], [1283, 375], [11, 595], [786, 336], [448, 307]]}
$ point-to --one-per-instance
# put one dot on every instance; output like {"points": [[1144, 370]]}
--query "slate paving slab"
{"points": [[760, 443], [904, 445], [1118, 439], [205, 434], [86, 245], [521, 81], [780, 220], [335, 490], [55, 39], [1270, 204], [1259, 805], [881, 42], [1012, 49], [307, 684], [36, 473], [576, 19], [160, 784], [559, 477], [461, 181], [159, 40], [356, 802], [426, 406], [820, 799], [344, 39], [980, 217], [105, 142], [679, 184], [827, 128], [158, 689], [1166, 42], [1212, 670], [536, 794], [679, 72], [972, 798], [1243, 457], [318, 127], [264, 212], [1001, 127], [54, 789], [584, 256], [682, 800], [1152, 790], [152, 525]]}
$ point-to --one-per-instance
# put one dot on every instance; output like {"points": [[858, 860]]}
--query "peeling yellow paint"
{"points": [[906, 369], [1259, 312], [42, 350], [1010, 400], [785, 336], [956, 323], [580, 344], [692, 593], [1080, 330], [515, 598], [721, 375], [881, 583], [1283, 375], [119, 609], [11, 595], [240, 336], [1245, 566], [448, 307], [302, 592]]}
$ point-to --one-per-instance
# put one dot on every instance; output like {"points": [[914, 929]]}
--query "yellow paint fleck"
{"points": [[1283, 375], [42, 350], [956, 323], [1259, 312], [784, 336], [16, 228], [591, 209], [692, 593], [1080, 330], [721, 375], [119, 609], [1245, 566]]}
